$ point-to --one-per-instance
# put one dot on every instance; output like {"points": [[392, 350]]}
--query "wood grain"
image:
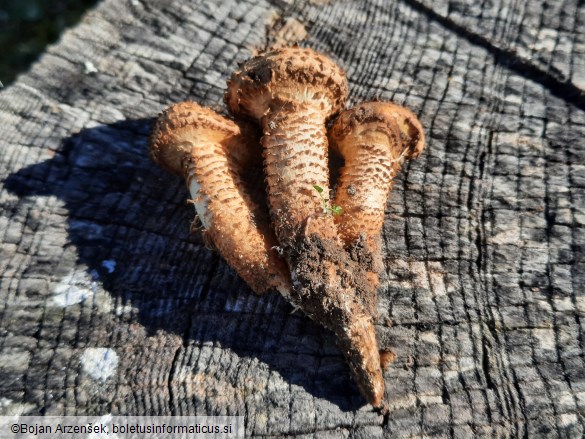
{"points": [[484, 232]]}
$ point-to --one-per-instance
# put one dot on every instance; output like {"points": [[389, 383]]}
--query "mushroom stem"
{"points": [[292, 92], [295, 161], [364, 183], [374, 139], [214, 157]]}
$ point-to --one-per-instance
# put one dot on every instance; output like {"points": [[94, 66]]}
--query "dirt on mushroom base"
{"points": [[321, 275], [314, 258], [363, 256]]}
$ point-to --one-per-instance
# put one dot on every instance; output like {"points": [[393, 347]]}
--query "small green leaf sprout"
{"points": [[327, 206]]}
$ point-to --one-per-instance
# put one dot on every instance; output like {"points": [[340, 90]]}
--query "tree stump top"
{"points": [[109, 305]]}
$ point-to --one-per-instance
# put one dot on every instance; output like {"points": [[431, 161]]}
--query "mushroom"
{"points": [[374, 139], [214, 154], [292, 92]]}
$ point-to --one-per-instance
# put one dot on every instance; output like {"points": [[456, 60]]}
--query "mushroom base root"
{"points": [[330, 288]]}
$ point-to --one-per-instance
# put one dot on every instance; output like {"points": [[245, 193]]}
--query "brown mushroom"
{"points": [[214, 154], [374, 139], [292, 92]]}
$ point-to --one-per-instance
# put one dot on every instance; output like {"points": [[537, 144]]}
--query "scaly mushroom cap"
{"points": [[286, 77], [373, 119], [184, 120]]}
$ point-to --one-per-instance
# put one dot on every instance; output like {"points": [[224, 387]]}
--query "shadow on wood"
{"points": [[129, 229]]}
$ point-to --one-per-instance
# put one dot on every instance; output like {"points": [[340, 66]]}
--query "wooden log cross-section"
{"points": [[109, 305]]}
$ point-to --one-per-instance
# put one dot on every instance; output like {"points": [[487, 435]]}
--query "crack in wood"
{"points": [[558, 86]]}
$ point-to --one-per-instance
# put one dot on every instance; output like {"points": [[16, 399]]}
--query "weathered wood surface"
{"points": [[108, 305]]}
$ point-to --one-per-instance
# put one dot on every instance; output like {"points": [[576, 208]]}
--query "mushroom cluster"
{"points": [[263, 199]]}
